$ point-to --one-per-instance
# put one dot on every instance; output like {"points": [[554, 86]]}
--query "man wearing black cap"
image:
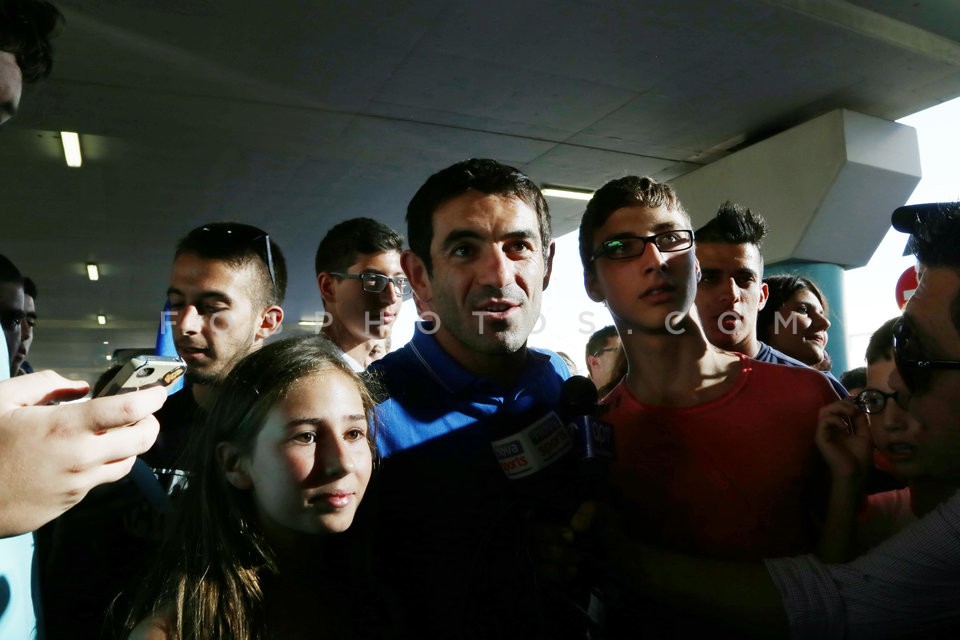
{"points": [[908, 586]]}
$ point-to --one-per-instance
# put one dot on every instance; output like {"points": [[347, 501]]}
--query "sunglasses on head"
{"points": [[914, 369], [241, 235]]}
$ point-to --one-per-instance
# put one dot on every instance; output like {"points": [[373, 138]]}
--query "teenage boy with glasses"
{"points": [[844, 437], [362, 286], [715, 450], [907, 587]]}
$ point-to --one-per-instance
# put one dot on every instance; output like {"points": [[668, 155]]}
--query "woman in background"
{"points": [[794, 320]]}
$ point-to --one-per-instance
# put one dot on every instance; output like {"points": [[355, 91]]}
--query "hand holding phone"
{"points": [[143, 372]]}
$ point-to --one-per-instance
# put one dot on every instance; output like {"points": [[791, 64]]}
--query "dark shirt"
{"points": [[97, 551], [452, 528]]}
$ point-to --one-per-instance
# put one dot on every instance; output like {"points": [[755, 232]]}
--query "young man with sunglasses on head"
{"points": [[909, 586], [226, 287], [362, 285]]}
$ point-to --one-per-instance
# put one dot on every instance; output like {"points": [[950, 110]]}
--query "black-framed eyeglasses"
{"points": [[225, 235], [600, 352], [634, 246], [377, 282], [914, 369], [873, 401]]}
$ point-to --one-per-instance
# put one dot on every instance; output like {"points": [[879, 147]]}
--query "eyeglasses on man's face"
{"points": [[634, 246], [914, 368], [873, 401], [600, 352], [377, 282]]}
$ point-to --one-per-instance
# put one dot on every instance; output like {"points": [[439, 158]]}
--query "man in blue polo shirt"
{"points": [[452, 523]]}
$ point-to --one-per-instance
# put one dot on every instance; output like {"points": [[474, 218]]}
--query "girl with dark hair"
{"points": [[794, 320], [282, 461]]}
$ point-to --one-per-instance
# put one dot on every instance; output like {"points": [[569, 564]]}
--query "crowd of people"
{"points": [[327, 486]]}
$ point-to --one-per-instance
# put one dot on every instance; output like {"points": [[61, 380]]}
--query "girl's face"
{"points": [[800, 328], [311, 460]]}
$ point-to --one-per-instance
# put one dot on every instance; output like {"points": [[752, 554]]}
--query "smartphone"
{"points": [[145, 371]]}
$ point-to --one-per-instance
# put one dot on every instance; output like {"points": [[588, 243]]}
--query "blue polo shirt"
{"points": [[432, 395], [769, 354], [450, 527]]}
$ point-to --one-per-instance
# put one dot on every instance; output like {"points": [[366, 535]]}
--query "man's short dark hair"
{"points": [[880, 346], [599, 339], [238, 245], [9, 271], [485, 176], [30, 288], [628, 191], [934, 230], [734, 224], [26, 27], [342, 244]]}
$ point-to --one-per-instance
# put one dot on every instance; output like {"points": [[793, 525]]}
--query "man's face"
{"points": [[215, 319], [730, 294], [11, 85], [937, 407], [26, 332], [366, 315], [488, 276], [11, 315], [602, 362], [651, 292]]}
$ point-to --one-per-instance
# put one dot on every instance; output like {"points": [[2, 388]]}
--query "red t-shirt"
{"points": [[737, 477]]}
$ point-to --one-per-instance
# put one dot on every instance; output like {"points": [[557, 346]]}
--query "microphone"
{"points": [[578, 406], [557, 460], [594, 450], [531, 449]]}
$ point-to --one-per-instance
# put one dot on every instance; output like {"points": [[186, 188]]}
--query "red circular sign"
{"points": [[906, 285]]}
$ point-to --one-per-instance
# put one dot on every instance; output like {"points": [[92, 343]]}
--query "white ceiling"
{"points": [[295, 115]]}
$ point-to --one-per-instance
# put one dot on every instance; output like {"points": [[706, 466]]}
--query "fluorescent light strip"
{"points": [[567, 193], [310, 323], [93, 271], [101, 319], [71, 148]]}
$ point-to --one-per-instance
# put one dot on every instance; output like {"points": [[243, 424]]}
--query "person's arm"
{"points": [[737, 596], [51, 456], [843, 439]]}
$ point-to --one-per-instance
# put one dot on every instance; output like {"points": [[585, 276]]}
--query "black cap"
{"points": [[925, 220], [934, 230]]}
